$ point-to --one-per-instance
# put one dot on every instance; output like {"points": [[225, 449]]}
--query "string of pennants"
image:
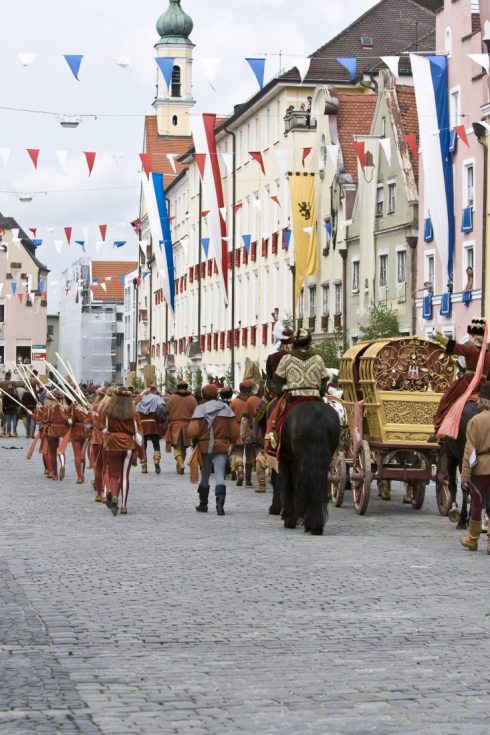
{"points": [[37, 242], [257, 64], [145, 159]]}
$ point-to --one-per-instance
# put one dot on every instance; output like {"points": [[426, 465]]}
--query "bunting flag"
{"points": [[333, 152], [13, 286], [282, 160], [62, 157], [31, 229], [200, 159], [303, 219], [393, 63], [34, 155], [257, 156], [26, 59], [228, 161], [74, 61], [460, 131], [360, 152], [205, 246], [20, 296], [349, 63], [156, 204], [122, 61], [68, 231], [258, 68], [430, 76], [306, 153], [37, 243], [5, 155], [122, 280], [166, 66], [257, 204], [237, 208], [81, 243], [275, 199], [58, 244], [104, 287], [411, 139], [385, 144], [171, 159], [204, 213], [90, 158], [287, 238], [302, 64], [210, 68], [247, 241], [481, 59], [203, 132], [120, 243], [222, 211], [146, 163], [103, 231]]}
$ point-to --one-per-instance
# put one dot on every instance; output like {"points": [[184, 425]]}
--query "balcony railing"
{"points": [[299, 120]]}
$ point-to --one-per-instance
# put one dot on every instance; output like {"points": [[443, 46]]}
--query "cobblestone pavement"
{"points": [[169, 621]]}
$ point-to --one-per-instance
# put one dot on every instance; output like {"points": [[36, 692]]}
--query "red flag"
{"points": [[68, 231], [460, 130], [44, 295], [257, 156], [276, 200], [34, 155], [20, 296], [306, 153], [200, 159], [135, 224], [411, 139], [103, 231], [204, 212], [67, 291], [90, 158], [138, 280], [360, 152], [33, 230], [146, 163], [171, 219], [237, 208]]}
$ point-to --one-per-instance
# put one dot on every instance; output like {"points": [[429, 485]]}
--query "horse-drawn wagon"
{"points": [[392, 388]]}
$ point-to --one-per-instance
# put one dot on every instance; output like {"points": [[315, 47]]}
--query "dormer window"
{"points": [[176, 82], [367, 41]]}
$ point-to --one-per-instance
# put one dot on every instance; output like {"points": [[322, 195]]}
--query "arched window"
{"points": [[448, 42], [176, 82], [175, 121]]}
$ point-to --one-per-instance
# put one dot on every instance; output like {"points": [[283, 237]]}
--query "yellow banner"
{"points": [[304, 227]]}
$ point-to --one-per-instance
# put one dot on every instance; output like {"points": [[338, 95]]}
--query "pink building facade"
{"points": [[458, 34]]}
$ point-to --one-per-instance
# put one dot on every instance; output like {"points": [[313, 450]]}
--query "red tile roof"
{"points": [[354, 118], [409, 120], [160, 145], [110, 269]]}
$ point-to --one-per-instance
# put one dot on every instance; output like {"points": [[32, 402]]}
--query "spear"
{"points": [[70, 372], [26, 382], [45, 387], [64, 385]]}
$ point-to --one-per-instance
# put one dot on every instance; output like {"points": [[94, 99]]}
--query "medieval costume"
{"points": [[213, 429], [96, 447], [122, 436], [251, 435], [471, 353], [237, 405], [29, 403], [56, 418], [79, 435], [41, 421], [180, 407], [285, 337], [152, 412], [475, 474]]}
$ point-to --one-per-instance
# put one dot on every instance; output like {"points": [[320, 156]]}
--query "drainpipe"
{"points": [[199, 235], [483, 142], [233, 249], [343, 255]]}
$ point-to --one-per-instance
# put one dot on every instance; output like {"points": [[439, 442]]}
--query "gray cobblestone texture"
{"points": [[169, 621]]}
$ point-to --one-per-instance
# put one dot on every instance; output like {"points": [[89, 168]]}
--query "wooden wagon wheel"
{"points": [[361, 488], [417, 490], [338, 470], [443, 496]]}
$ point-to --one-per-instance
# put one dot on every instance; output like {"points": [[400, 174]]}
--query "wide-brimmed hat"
{"points": [[210, 391], [302, 337], [477, 327], [182, 385]]}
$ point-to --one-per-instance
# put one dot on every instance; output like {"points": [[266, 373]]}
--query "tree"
{"points": [[383, 323], [329, 350]]}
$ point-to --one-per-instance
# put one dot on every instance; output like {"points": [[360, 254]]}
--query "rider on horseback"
{"points": [[471, 352]]}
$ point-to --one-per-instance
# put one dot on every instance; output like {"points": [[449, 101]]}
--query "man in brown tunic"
{"points": [[180, 406], [237, 405]]}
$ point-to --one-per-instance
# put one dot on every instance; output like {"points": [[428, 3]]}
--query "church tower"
{"points": [[172, 104]]}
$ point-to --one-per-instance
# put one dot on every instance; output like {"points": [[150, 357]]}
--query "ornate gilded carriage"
{"points": [[392, 389]]}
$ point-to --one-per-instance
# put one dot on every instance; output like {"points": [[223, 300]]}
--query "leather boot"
{"points": [[179, 463], [471, 540], [248, 475], [261, 480], [220, 499], [239, 475], [203, 499], [144, 466], [157, 457]]}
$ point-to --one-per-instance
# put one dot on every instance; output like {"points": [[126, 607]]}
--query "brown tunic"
{"points": [[118, 434], [224, 429], [56, 421], [238, 405], [79, 418], [180, 407]]}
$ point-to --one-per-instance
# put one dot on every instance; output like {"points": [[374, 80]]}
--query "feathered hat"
{"points": [[477, 327]]}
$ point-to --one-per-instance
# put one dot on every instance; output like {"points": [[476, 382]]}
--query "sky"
{"points": [[102, 30]]}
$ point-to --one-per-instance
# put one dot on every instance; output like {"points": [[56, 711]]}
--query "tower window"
{"points": [[175, 121], [176, 82]]}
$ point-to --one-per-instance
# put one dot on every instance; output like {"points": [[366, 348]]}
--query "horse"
{"points": [[450, 460], [309, 438]]}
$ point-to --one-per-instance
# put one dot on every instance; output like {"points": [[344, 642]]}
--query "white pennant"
{"points": [[392, 62], [122, 61], [85, 231], [282, 160], [223, 212], [58, 245], [333, 152], [228, 161], [302, 64], [26, 59], [5, 155], [98, 245], [62, 157], [481, 59], [50, 230], [54, 283], [210, 67], [185, 247], [15, 234], [8, 296], [103, 286], [143, 243], [257, 203], [385, 144], [171, 158]]}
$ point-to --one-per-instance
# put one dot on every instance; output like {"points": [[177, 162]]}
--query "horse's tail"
{"points": [[312, 495]]}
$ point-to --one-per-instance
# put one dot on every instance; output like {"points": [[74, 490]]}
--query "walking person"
{"points": [[56, 420], [10, 410], [96, 448], [180, 406], [152, 411], [213, 429], [237, 405], [252, 437], [29, 403], [475, 474], [79, 435]]}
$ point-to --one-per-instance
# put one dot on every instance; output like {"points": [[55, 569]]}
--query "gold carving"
{"points": [[415, 412]]}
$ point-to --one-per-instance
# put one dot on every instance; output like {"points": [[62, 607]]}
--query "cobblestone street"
{"points": [[169, 621]]}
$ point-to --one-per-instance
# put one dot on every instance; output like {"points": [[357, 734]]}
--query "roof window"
{"points": [[367, 41]]}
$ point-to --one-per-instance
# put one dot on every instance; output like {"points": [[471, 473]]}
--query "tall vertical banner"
{"points": [[203, 127], [156, 205], [302, 187], [430, 75]]}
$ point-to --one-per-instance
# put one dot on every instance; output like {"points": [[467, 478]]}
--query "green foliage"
{"points": [[330, 351], [170, 382], [227, 377], [180, 375], [138, 383], [198, 379], [383, 323], [189, 376]]}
